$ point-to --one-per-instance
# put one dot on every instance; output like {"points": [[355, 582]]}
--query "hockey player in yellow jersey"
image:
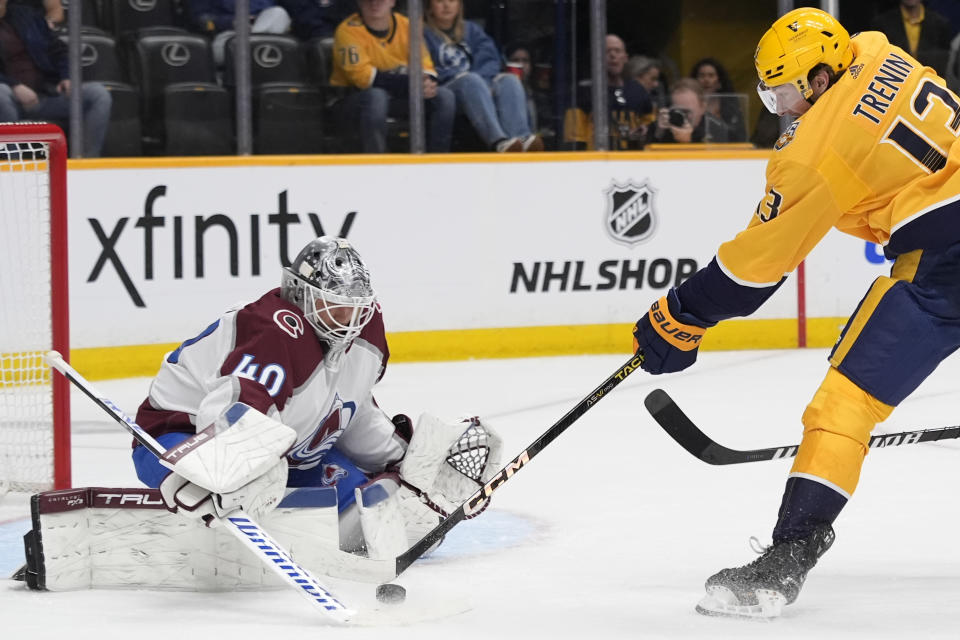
{"points": [[872, 153], [371, 50]]}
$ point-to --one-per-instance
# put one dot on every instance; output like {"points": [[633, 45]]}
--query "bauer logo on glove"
{"points": [[668, 337], [682, 336]]}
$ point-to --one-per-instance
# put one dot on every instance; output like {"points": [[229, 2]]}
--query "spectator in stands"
{"points": [[924, 33], [518, 57], [629, 104], [631, 108], [52, 9], [719, 93], [469, 64], [215, 18], [33, 77], [688, 120], [316, 18], [649, 73], [371, 52]]}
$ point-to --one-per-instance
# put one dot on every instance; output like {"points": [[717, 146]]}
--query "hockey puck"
{"points": [[391, 593]]}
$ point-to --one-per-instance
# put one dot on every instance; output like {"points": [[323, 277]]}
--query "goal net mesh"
{"points": [[26, 397]]}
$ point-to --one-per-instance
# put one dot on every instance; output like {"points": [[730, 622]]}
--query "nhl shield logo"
{"points": [[630, 217]]}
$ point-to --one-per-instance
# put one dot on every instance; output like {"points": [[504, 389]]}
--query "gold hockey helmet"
{"points": [[796, 43]]}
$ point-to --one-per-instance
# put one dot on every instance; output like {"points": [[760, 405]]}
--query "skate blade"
{"points": [[722, 602]]}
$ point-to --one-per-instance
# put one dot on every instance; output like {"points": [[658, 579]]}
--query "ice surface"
{"points": [[608, 533]]}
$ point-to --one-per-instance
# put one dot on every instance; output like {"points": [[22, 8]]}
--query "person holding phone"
{"points": [[687, 119]]}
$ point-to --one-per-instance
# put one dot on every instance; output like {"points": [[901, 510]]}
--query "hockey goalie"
{"points": [[270, 410]]}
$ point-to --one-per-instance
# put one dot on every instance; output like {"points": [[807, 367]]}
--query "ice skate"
{"points": [[761, 588]]}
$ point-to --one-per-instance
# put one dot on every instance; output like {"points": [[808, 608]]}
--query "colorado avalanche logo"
{"points": [[309, 452], [290, 322], [332, 473]]}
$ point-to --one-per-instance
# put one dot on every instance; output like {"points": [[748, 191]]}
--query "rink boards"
{"points": [[473, 256]]}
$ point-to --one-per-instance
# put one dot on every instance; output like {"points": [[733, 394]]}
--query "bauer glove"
{"points": [[668, 337]]}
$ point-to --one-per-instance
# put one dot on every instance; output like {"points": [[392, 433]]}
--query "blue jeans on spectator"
{"points": [[96, 112], [496, 109], [366, 113]]}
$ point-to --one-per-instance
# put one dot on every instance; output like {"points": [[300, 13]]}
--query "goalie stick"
{"points": [[238, 523], [476, 501], [682, 429]]}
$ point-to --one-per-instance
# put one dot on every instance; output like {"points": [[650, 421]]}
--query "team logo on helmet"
{"points": [[630, 217], [290, 322]]}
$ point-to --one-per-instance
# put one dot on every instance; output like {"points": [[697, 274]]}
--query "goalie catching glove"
{"points": [[239, 462], [446, 462]]}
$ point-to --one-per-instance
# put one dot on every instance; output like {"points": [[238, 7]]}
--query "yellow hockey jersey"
{"points": [[873, 157], [359, 54]]}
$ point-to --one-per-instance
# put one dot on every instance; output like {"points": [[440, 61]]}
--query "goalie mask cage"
{"points": [[34, 403]]}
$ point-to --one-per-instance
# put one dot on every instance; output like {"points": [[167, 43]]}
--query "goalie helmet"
{"points": [[795, 44], [330, 283]]}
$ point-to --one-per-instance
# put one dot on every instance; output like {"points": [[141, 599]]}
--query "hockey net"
{"points": [[34, 406]]}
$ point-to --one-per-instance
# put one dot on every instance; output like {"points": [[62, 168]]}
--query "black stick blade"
{"points": [[679, 427]]}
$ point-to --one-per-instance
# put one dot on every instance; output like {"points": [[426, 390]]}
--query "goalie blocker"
{"points": [[127, 538]]}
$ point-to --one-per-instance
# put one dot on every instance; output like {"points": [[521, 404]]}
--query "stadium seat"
{"points": [[90, 16], [127, 16], [164, 60], [319, 60], [273, 58], [99, 63], [288, 119], [197, 119], [98, 58], [124, 135]]}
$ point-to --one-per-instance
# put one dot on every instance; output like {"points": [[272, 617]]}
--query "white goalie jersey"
{"points": [[265, 355]]}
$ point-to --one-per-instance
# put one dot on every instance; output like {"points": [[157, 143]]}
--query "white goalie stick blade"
{"points": [[722, 602]]}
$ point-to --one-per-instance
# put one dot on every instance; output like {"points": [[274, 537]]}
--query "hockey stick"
{"points": [[248, 532], [682, 429], [475, 502]]}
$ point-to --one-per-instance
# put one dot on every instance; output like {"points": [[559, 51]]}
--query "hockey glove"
{"points": [[668, 337], [448, 460]]}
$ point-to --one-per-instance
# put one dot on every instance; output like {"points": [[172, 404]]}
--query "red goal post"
{"points": [[34, 315]]}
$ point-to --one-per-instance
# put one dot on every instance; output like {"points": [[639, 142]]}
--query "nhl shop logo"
{"points": [[630, 217]]}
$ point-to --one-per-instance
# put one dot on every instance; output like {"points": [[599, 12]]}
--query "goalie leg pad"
{"points": [[125, 538], [385, 519], [383, 526]]}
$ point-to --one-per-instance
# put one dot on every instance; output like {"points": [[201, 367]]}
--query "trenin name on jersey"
{"points": [[574, 275], [883, 88], [283, 219]]}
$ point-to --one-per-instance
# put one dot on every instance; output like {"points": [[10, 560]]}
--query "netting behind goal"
{"points": [[34, 407]]}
